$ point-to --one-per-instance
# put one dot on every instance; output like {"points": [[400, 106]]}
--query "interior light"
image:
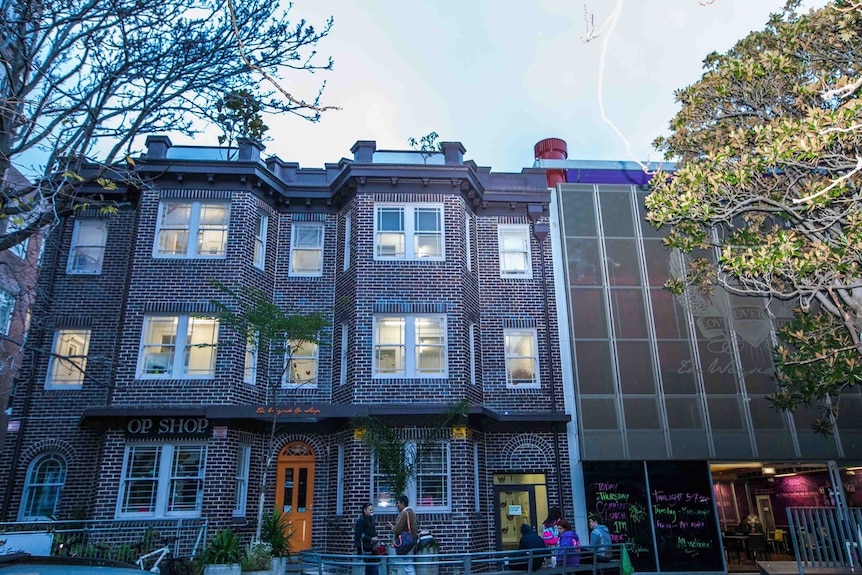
{"points": [[785, 474], [769, 471]]}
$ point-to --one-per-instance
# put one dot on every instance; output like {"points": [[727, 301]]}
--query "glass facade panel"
{"points": [[582, 258], [588, 313], [599, 413], [635, 367], [641, 413], [717, 365], [684, 413], [594, 367], [647, 230], [616, 209], [725, 413], [629, 315], [668, 315], [658, 259], [676, 367], [578, 211], [622, 259]]}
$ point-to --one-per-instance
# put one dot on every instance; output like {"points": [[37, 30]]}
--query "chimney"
{"points": [[553, 149], [363, 151], [249, 150], [157, 147]]}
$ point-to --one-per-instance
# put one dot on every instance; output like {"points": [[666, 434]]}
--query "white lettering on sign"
{"points": [[162, 426]]}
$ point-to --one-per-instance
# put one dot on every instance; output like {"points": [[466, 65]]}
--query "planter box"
{"points": [[231, 569]]}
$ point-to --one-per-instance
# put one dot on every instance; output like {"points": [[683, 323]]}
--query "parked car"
{"points": [[24, 563]]}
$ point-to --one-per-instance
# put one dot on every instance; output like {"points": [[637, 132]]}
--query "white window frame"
{"points": [[249, 370], [243, 464], [409, 232], [299, 353], [471, 333], [468, 240], [534, 336], [296, 249], [408, 346], [348, 228], [387, 504], [163, 478], [193, 229], [525, 250], [176, 367], [259, 258], [86, 229], [68, 372], [33, 489], [345, 334], [7, 311]]}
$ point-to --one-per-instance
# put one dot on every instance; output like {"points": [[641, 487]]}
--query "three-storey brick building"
{"points": [[435, 278]]}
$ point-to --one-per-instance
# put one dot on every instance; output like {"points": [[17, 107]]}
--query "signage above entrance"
{"points": [[168, 428]]}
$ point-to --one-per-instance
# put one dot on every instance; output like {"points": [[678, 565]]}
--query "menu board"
{"points": [[683, 516], [616, 491]]}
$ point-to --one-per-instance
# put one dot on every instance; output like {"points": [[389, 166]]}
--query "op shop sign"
{"points": [[168, 428]]}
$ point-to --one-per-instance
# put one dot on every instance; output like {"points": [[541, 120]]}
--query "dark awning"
{"points": [[329, 417]]}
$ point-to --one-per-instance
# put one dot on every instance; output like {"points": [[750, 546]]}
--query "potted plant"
{"points": [[276, 532], [427, 547], [223, 554], [257, 559]]}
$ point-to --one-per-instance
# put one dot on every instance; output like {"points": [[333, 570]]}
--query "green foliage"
{"points": [[400, 459], [223, 548], [767, 145], [276, 533], [427, 145], [258, 557], [239, 116]]}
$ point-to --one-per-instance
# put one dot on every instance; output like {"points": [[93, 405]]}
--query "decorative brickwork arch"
{"points": [[57, 445], [528, 448]]}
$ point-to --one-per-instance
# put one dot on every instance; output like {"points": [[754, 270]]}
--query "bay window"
{"points": [[188, 229], [408, 232], [410, 346], [181, 346]]}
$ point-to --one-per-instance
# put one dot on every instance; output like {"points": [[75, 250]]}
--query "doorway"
{"points": [[294, 493], [519, 498], [764, 510]]}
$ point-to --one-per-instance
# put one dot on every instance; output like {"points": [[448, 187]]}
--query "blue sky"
{"points": [[500, 75]]}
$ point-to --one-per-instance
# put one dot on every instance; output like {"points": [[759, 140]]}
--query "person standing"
{"points": [[530, 540], [406, 521], [365, 538], [568, 554], [600, 539]]}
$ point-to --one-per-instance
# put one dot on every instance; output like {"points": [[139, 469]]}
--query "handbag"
{"points": [[379, 549], [405, 541]]}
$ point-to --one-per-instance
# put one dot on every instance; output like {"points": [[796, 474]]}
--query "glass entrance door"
{"points": [[294, 492], [515, 506]]}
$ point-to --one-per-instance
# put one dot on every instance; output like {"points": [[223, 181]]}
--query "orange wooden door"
{"points": [[294, 492]]}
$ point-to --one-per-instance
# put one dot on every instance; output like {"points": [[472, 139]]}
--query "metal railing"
{"points": [[122, 540], [483, 562], [826, 537]]}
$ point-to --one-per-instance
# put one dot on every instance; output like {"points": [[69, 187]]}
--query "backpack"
{"points": [[550, 536]]}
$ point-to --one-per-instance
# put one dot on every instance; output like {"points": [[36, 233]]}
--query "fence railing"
{"points": [[483, 562], [826, 537], [122, 540]]}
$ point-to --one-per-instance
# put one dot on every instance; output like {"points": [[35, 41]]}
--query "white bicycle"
{"points": [[165, 561]]}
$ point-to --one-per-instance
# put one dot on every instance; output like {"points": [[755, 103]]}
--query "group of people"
{"points": [[366, 538], [559, 533]]}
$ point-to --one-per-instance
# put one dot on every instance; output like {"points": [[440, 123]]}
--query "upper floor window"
{"points": [[189, 229], [514, 246], [429, 490], [306, 249], [7, 309], [522, 358], [260, 241], [68, 359], [162, 481], [468, 241], [410, 346], [348, 225], [342, 376], [301, 369], [46, 478], [408, 232], [178, 347], [88, 247], [249, 372], [471, 333], [19, 249]]}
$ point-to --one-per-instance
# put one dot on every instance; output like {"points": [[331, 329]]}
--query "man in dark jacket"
{"points": [[530, 540]]}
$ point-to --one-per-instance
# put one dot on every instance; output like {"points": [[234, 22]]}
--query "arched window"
{"points": [[45, 479]]}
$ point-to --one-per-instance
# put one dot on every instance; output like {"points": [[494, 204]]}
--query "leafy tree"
{"points": [[277, 333], [81, 80], [427, 145], [768, 146]]}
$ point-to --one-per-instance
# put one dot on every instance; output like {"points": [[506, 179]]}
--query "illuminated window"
{"points": [[7, 308], [162, 481], [306, 250], [428, 491], [69, 359], [410, 346], [260, 241], [408, 232], [514, 245], [249, 374], [178, 347], [522, 358], [301, 369], [88, 247], [192, 230]]}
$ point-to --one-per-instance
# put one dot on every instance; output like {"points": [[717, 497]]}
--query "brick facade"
{"points": [[512, 431]]}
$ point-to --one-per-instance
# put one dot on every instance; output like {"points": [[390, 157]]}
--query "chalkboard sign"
{"points": [[616, 490], [683, 516]]}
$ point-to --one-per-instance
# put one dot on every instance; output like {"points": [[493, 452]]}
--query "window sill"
{"points": [[61, 387]]}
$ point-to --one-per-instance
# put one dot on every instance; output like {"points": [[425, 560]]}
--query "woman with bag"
{"points": [[365, 538], [569, 553]]}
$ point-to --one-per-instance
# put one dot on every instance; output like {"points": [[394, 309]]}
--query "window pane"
{"points": [[668, 315], [578, 214], [641, 413], [684, 413], [677, 367], [70, 363], [599, 414], [176, 215], [616, 213], [521, 357], [594, 367], [44, 485], [186, 486], [428, 245], [430, 345], [635, 367], [658, 259], [428, 220], [306, 261], [623, 262], [88, 248], [588, 313], [308, 236], [303, 363], [583, 260], [390, 245], [159, 344], [141, 481], [389, 345], [201, 346], [629, 314], [174, 228], [390, 219]]}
